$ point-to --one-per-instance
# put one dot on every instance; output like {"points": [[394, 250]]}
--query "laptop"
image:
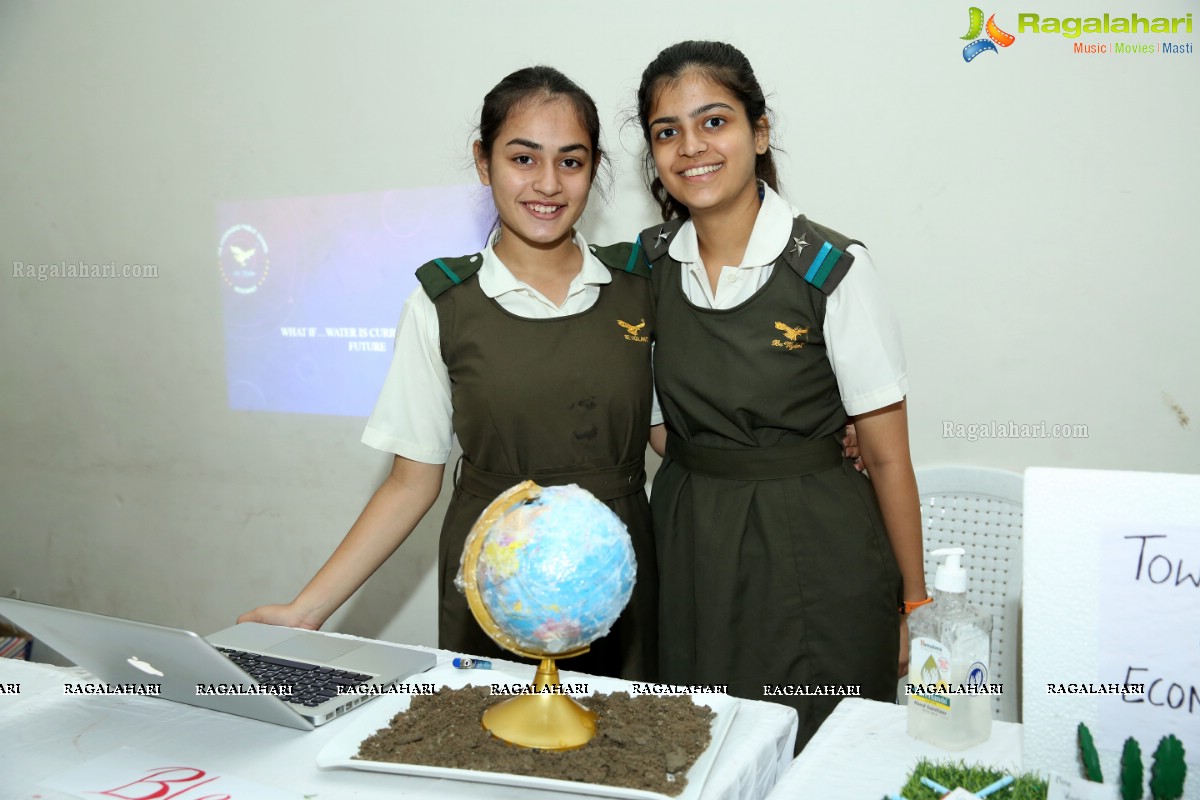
{"points": [[300, 679]]}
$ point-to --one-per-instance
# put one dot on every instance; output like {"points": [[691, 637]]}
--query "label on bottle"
{"points": [[929, 662]]}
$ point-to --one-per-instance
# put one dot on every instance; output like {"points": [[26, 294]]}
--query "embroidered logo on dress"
{"points": [[792, 337], [634, 330]]}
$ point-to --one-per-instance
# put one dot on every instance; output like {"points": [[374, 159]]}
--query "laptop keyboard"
{"points": [[311, 684]]}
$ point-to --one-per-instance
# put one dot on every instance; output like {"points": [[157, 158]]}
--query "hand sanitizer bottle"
{"points": [[949, 703]]}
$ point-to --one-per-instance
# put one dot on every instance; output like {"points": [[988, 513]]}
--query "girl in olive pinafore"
{"points": [[776, 568], [556, 401], [779, 572], [535, 354]]}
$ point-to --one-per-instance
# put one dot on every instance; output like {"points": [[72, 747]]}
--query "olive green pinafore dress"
{"points": [[775, 569], [555, 401]]}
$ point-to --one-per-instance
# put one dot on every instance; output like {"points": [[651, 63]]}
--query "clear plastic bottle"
{"points": [[950, 643]]}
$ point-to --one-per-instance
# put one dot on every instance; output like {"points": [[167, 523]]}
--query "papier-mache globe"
{"points": [[554, 572]]}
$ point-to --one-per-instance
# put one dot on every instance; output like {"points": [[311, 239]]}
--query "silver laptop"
{"points": [[286, 676]]}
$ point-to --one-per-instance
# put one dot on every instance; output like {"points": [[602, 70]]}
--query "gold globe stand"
{"points": [[546, 720]]}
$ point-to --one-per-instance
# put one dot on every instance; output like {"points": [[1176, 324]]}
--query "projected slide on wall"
{"points": [[313, 288]]}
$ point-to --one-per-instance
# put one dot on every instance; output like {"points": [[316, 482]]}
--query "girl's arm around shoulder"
{"points": [[658, 439], [399, 503]]}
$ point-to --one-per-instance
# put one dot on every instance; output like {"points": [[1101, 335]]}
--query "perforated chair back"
{"points": [[980, 510]]}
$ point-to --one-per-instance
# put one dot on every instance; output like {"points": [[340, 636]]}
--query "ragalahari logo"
{"points": [[988, 43]]}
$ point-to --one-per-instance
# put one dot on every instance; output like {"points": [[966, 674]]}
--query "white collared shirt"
{"points": [[861, 335], [414, 415]]}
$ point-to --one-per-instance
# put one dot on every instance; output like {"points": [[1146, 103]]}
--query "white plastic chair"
{"points": [[980, 510]]}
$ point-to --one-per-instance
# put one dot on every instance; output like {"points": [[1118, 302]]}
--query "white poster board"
{"points": [[1111, 598]]}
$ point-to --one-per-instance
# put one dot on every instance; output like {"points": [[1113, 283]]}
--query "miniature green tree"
{"points": [[1132, 774], [1087, 752], [1168, 771]]}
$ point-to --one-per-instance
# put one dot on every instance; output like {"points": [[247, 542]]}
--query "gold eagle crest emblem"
{"points": [[791, 335], [789, 332], [632, 332], [633, 329]]}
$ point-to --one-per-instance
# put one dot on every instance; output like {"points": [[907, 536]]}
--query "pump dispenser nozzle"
{"points": [[951, 577]]}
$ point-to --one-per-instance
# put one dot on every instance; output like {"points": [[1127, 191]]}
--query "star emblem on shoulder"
{"points": [[800, 244]]}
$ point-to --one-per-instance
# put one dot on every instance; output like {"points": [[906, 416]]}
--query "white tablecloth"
{"points": [[863, 750], [44, 733]]}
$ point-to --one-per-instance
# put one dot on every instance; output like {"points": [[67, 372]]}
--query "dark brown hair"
{"points": [[725, 66], [538, 84]]}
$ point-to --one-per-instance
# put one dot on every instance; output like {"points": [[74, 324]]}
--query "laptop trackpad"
{"points": [[314, 647]]}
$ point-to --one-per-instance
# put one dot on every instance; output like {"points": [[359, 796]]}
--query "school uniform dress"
{"points": [[775, 570], [556, 395]]}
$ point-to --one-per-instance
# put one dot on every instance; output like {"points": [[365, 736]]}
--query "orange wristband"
{"points": [[909, 605]]}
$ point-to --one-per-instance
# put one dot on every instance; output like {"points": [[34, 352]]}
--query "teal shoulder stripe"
{"points": [[633, 253], [830, 262], [442, 274], [621, 257], [818, 261], [449, 272]]}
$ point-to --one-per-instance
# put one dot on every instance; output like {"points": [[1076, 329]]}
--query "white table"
{"points": [[863, 750], [44, 732]]}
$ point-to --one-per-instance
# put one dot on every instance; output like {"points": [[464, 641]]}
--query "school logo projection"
{"points": [[995, 36], [243, 259]]}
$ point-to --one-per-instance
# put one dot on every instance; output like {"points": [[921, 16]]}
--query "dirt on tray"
{"points": [[645, 742]]}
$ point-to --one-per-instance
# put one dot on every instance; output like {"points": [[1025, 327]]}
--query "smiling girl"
{"points": [[523, 352], [782, 568]]}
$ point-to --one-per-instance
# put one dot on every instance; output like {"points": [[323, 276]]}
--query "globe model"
{"points": [[551, 568]]}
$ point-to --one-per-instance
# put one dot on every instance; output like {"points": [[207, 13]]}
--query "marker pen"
{"points": [[471, 663]]}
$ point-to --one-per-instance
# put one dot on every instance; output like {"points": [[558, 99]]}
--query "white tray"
{"points": [[339, 752]]}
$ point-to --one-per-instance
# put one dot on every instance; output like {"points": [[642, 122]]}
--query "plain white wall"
{"points": [[1032, 213]]}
